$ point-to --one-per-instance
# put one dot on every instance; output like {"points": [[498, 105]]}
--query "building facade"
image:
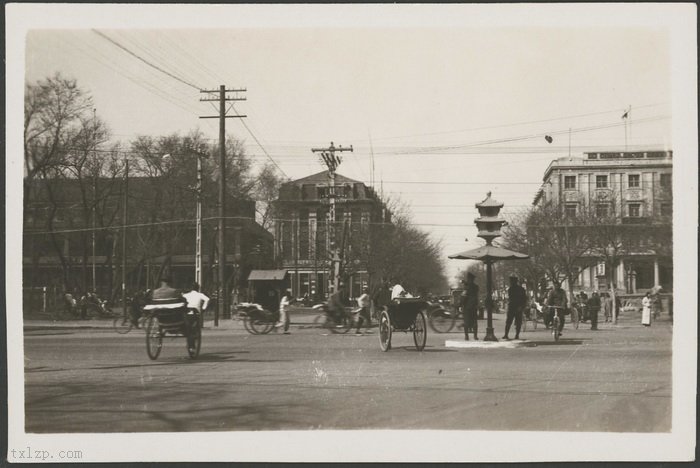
{"points": [[306, 240], [74, 237], [634, 188]]}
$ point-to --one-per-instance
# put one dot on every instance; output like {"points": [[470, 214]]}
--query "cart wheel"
{"points": [[441, 320], [420, 331], [154, 338], [385, 331], [261, 324], [194, 341], [555, 328], [248, 325], [122, 325]]}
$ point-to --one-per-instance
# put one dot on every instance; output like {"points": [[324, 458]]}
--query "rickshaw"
{"points": [[175, 320], [406, 314]]}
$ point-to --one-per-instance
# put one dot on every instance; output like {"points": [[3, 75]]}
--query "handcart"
{"points": [[406, 315], [175, 322]]}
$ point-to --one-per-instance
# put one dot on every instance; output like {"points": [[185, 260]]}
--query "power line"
{"points": [[144, 60]]}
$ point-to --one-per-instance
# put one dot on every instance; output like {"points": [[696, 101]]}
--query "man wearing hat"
{"points": [[517, 299], [470, 304]]}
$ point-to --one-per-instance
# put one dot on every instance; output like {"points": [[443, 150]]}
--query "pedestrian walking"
{"points": [[607, 307], [470, 303], [593, 306], [363, 314], [646, 310], [517, 300], [285, 302]]}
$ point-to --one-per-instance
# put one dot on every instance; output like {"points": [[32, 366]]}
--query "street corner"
{"points": [[503, 344]]}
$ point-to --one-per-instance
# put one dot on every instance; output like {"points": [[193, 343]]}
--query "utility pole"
{"points": [[198, 251], [222, 303], [332, 161], [124, 224]]}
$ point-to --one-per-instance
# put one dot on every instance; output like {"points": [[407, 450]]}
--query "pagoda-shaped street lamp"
{"points": [[489, 225]]}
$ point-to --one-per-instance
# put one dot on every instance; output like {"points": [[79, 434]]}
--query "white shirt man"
{"points": [[398, 291], [196, 300]]}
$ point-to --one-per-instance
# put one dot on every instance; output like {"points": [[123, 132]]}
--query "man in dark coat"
{"points": [[593, 306], [470, 304], [517, 299]]}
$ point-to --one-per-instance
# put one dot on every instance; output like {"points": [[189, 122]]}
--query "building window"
{"points": [[601, 181], [570, 210], [600, 269], [634, 210], [666, 180], [633, 181], [666, 209], [602, 210], [570, 182]]}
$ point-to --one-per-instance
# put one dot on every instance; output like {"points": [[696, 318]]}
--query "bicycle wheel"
{"points": [[420, 332], [194, 341], [343, 325], [555, 328], [442, 320], [154, 338], [122, 325], [385, 331], [319, 321], [575, 317]]}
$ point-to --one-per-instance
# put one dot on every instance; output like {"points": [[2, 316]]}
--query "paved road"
{"points": [[93, 380]]}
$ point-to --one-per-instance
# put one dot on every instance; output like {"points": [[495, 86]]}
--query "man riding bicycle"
{"points": [[556, 298], [336, 307]]}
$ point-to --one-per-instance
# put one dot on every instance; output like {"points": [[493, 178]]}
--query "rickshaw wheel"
{"points": [[194, 341], [555, 327], [420, 332], [247, 325], [154, 338], [262, 324], [385, 331]]}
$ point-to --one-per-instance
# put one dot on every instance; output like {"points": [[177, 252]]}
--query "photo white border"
{"points": [[406, 446]]}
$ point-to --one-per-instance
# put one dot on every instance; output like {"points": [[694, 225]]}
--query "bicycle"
{"points": [[442, 320], [336, 324], [125, 324], [556, 321]]}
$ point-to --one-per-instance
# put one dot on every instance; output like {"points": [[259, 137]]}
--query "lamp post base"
{"points": [[490, 336]]}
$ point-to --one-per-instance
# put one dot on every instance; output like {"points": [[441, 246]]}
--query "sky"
{"points": [[444, 114]]}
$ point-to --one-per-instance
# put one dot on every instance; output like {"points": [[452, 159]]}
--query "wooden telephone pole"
{"points": [[222, 303], [332, 161]]}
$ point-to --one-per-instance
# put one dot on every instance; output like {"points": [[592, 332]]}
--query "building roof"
{"points": [[322, 178], [267, 275]]}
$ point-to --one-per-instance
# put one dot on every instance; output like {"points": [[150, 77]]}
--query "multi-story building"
{"points": [[633, 187], [304, 234]]}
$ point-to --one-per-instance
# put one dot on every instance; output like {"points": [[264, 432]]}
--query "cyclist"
{"points": [[336, 308], [556, 297]]}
